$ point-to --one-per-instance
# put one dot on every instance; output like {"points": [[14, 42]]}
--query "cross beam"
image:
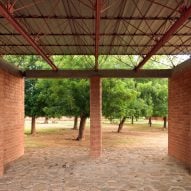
{"points": [[185, 15], [5, 13], [97, 31], [165, 73]]}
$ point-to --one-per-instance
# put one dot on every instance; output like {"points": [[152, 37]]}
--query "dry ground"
{"points": [[134, 160]]}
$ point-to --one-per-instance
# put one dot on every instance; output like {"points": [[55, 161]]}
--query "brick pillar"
{"points": [[11, 118], [95, 116], [180, 113], [1, 151], [1, 129]]}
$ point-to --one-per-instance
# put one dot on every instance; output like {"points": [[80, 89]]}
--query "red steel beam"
{"points": [[185, 15], [93, 34], [97, 31], [24, 33], [108, 18]]}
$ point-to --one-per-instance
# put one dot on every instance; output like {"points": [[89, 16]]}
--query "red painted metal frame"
{"points": [[93, 34], [185, 15], [97, 31], [24, 33], [108, 18]]}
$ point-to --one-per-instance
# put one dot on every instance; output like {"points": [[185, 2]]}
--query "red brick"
{"points": [[180, 116], [11, 118], [95, 116]]}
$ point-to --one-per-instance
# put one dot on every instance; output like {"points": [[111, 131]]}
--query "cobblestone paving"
{"points": [[142, 168]]}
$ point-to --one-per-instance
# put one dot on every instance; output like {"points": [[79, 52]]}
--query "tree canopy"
{"points": [[70, 97]]}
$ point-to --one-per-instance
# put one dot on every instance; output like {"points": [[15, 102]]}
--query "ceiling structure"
{"points": [[95, 27]]}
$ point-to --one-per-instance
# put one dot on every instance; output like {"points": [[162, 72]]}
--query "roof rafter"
{"points": [[185, 15], [17, 26], [108, 18], [93, 34], [97, 31]]}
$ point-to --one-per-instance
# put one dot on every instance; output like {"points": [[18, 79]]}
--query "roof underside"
{"points": [[67, 27]]}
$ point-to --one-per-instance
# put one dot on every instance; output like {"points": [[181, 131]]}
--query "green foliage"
{"points": [[74, 62], [154, 93], [138, 98], [35, 99], [70, 97], [67, 97], [161, 100], [116, 98], [31, 62], [33, 105]]}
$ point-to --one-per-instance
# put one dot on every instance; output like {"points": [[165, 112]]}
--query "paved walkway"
{"points": [[140, 168]]}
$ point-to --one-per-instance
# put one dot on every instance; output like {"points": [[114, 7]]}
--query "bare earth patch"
{"points": [[134, 160]]}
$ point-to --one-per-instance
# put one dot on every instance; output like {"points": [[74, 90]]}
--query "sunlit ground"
{"points": [[59, 133]]}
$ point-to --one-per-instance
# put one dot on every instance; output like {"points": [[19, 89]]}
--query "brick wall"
{"points": [[1, 124], [11, 118], [180, 114], [95, 116]]}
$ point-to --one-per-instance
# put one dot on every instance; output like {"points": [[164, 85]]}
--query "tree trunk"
{"points": [[150, 121], [164, 119], [46, 120], [75, 127], [132, 120], [121, 124], [33, 125], [81, 128]]}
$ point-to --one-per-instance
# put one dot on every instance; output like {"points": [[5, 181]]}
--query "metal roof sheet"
{"points": [[67, 27]]}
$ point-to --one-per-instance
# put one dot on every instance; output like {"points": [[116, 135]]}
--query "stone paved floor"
{"points": [[145, 167]]}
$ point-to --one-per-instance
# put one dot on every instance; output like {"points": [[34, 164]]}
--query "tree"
{"points": [[160, 102], [80, 93], [154, 93], [146, 93], [75, 127], [70, 98], [116, 98], [33, 108], [136, 108]]}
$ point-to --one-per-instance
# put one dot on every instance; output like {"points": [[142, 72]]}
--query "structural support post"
{"points": [[11, 116], [1, 128], [95, 116], [179, 126]]}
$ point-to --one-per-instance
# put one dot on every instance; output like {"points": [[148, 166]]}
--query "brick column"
{"points": [[95, 116], [180, 113], [1, 128], [11, 118]]}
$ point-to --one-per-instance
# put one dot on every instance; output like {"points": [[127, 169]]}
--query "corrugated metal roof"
{"points": [[67, 27]]}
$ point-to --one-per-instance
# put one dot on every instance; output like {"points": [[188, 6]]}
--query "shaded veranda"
{"points": [[94, 28]]}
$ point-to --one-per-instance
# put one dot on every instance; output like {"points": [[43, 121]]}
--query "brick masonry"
{"points": [[11, 118], [180, 114], [95, 116]]}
